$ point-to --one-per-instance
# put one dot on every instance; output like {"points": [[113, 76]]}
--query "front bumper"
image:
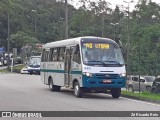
{"points": [[34, 71], [97, 81]]}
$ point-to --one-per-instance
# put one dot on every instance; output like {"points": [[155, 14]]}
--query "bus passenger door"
{"points": [[67, 66]]}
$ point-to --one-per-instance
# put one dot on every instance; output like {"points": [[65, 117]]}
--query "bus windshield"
{"points": [[102, 53], [34, 61]]}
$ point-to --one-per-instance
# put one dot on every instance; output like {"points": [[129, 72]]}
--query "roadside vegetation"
{"points": [[4, 71], [16, 69], [143, 95]]}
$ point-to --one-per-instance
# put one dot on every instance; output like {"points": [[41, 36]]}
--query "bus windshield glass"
{"points": [[101, 53], [34, 61]]}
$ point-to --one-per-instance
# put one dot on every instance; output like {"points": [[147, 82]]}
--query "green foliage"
{"points": [[144, 95], [21, 39], [16, 69]]}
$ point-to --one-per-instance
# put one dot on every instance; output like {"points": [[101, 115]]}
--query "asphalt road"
{"points": [[27, 93]]}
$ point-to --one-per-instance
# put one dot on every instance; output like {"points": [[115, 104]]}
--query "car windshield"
{"points": [[101, 53], [150, 78]]}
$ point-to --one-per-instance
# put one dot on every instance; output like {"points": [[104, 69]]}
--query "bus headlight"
{"points": [[88, 74], [123, 75]]}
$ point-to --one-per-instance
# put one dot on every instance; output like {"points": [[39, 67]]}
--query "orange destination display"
{"points": [[97, 45]]}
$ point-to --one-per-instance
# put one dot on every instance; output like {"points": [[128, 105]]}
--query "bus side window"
{"points": [[43, 56], [61, 54], [51, 55], [76, 55], [46, 56], [55, 54]]}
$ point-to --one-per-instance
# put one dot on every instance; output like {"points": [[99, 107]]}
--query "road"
{"points": [[27, 93]]}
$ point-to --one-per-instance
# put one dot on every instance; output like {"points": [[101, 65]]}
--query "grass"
{"points": [[143, 95], [4, 71], [19, 67], [16, 69]]}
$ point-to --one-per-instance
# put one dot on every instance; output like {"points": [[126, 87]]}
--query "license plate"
{"points": [[107, 81]]}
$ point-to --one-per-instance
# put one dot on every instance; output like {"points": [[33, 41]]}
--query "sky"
{"points": [[118, 2]]}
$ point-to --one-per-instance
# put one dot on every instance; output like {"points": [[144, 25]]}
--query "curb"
{"points": [[142, 99]]}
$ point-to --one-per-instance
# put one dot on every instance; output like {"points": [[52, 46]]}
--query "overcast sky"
{"points": [[119, 2]]}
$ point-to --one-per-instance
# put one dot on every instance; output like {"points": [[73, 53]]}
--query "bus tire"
{"points": [[53, 87], [116, 92], [77, 90], [58, 88]]}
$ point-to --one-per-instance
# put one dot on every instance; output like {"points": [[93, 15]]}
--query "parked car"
{"points": [[156, 86], [145, 83], [24, 70], [1, 64]]}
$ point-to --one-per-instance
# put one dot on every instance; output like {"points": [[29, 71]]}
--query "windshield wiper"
{"points": [[98, 61], [114, 62]]}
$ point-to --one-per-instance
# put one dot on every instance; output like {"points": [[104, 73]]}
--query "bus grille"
{"points": [[106, 76]]}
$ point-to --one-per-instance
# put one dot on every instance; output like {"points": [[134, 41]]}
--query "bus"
{"points": [[85, 64], [34, 65]]}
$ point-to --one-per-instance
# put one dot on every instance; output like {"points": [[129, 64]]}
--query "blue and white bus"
{"points": [[34, 65], [85, 64]]}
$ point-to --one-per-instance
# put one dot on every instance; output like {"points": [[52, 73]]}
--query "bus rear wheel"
{"points": [[53, 87], [77, 90], [116, 92]]}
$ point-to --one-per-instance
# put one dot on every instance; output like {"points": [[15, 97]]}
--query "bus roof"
{"points": [[70, 41]]}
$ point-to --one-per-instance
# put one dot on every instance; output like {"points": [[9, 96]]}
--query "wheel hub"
{"points": [[76, 89]]}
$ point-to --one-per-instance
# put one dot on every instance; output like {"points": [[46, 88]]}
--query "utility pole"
{"points": [[66, 19], [8, 41], [114, 24], [128, 35], [139, 82], [102, 24], [35, 27], [35, 23]]}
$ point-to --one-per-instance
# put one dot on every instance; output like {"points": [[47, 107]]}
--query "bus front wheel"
{"points": [[77, 90], [116, 92]]}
